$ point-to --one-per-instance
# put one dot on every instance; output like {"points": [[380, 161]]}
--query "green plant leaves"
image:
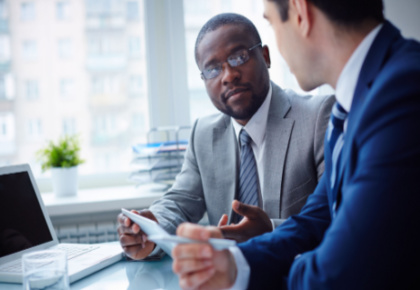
{"points": [[64, 153]]}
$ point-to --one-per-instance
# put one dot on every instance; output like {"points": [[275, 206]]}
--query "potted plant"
{"points": [[63, 160]]}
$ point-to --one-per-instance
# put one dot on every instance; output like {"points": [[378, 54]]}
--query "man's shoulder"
{"points": [[307, 100], [206, 124], [304, 103]]}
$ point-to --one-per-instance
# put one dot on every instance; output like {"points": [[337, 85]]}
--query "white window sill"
{"points": [[88, 201]]}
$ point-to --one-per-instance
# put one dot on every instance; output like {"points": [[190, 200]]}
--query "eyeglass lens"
{"points": [[236, 59]]}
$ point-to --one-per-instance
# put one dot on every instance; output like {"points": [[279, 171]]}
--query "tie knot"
{"points": [[338, 115], [339, 112], [245, 138]]}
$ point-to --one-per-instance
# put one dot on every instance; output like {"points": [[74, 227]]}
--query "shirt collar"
{"points": [[347, 81], [258, 122]]}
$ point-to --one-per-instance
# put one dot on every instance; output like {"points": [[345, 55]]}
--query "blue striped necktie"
{"points": [[248, 178], [336, 138]]}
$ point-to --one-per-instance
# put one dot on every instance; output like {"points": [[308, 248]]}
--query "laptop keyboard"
{"points": [[13, 267], [88, 233], [72, 250]]}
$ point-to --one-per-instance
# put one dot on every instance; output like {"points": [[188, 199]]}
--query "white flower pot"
{"points": [[64, 181]]}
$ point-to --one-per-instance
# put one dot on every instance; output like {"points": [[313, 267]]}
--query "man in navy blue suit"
{"points": [[360, 228]]}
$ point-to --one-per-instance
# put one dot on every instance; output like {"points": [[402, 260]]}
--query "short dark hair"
{"points": [[345, 12], [226, 19]]}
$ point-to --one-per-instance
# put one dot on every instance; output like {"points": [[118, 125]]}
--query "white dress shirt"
{"points": [[347, 81], [345, 87], [256, 128]]}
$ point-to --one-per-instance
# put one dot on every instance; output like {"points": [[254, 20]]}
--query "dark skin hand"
{"points": [[132, 239], [255, 222]]}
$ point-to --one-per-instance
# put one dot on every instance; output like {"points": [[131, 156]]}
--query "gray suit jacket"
{"points": [[294, 163]]}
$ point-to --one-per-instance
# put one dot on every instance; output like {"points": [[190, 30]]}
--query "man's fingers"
{"points": [[131, 240], [196, 279], [190, 265], [243, 209], [193, 231], [223, 220], [192, 251], [136, 246]]}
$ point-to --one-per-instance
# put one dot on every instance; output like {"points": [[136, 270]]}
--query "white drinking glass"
{"points": [[45, 270]]}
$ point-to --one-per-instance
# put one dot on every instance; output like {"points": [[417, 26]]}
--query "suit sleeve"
{"points": [[373, 243], [184, 201], [271, 255]]}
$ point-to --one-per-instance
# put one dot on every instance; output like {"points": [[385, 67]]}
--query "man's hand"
{"points": [[198, 265], [132, 239], [254, 223]]}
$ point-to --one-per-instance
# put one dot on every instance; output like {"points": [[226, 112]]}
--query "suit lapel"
{"points": [[369, 71], [277, 137], [225, 151]]}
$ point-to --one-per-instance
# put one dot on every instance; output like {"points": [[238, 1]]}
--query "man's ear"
{"points": [[266, 55], [300, 10]]}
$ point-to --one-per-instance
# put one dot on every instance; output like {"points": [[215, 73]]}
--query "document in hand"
{"points": [[166, 241]]}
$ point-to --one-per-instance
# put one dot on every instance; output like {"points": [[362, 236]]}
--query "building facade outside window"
{"points": [[65, 48], [63, 10], [29, 50], [70, 60], [31, 90], [27, 11]]}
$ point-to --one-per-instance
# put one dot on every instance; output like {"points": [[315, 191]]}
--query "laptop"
{"points": [[25, 226]]}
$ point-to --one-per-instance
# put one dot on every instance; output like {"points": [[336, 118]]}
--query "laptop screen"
{"points": [[22, 222]]}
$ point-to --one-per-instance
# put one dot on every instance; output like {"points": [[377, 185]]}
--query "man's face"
{"points": [[237, 91], [295, 49]]}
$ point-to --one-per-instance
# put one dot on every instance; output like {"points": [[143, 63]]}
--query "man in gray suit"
{"points": [[286, 129]]}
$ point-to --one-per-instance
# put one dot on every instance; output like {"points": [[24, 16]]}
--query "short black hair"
{"points": [[345, 12], [226, 19]]}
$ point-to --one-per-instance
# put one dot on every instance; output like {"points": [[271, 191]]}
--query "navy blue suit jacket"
{"points": [[372, 240]]}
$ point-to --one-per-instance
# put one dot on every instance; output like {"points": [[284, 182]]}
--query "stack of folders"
{"points": [[158, 162]]}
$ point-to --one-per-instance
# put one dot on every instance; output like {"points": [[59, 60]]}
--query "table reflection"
{"points": [[149, 275]]}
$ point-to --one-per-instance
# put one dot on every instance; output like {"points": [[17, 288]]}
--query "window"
{"points": [[29, 50], [7, 137], [66, 87], [34, 128], [108, 44], [7, 128], [86, 66], [132, 12], [107, 84], [105, 125], [134, 46], [27, 11], [69, 126], [2, 88], [63, 10], [138, 122], [7, 88], [31, 90], [65, 48], [3, 9], [3, 127], [136, 84], [4, 49]]}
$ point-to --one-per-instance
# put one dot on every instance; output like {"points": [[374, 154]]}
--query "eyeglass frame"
{"points": [[227, 60]]}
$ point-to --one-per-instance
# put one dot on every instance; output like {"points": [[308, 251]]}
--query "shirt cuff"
{"points": [[273, 224], [155, 251], [243, 270]]}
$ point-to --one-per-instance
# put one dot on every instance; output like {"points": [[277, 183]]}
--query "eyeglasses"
{"points": [[236, 59]]}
